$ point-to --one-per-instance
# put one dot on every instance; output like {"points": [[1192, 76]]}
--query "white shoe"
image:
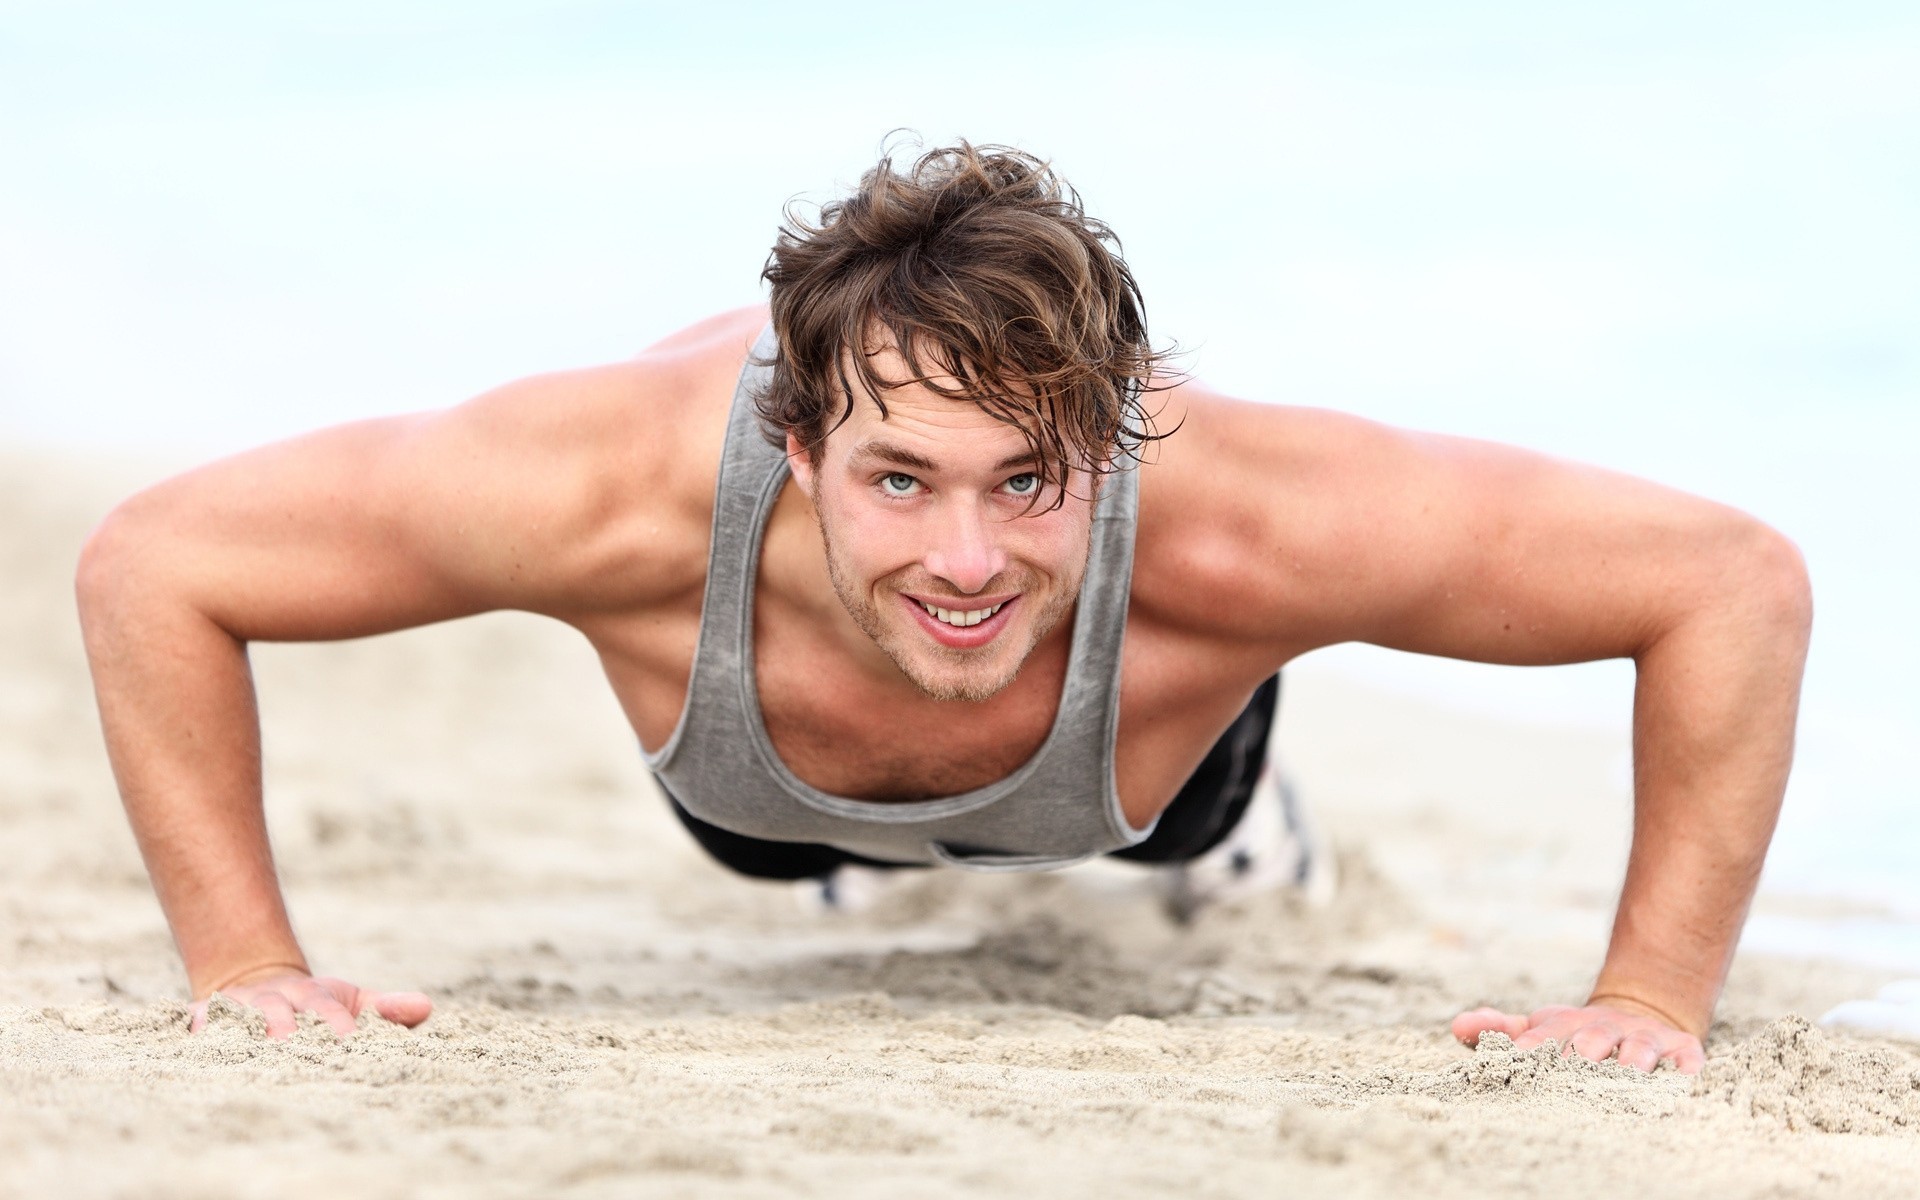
{"points": [[1902, 991], [1895, 1013], [1273, 847]]}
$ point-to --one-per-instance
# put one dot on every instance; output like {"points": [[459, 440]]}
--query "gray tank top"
{"points": [[1060, 807]]}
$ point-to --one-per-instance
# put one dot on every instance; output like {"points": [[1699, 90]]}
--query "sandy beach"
{"points": [[462, 810]]}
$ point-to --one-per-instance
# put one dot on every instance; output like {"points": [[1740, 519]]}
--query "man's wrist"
{"points": [[251, 973], [1632, 1002]]}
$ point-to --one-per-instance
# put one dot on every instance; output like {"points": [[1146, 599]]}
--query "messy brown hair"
{"points": [[980, 264]]}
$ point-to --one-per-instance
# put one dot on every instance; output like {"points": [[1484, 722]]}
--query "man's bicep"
{"points": [[1492, 553], [358, 529], [306, 539]]}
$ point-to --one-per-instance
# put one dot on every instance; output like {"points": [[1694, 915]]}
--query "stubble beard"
{"points": [[970, 685]]}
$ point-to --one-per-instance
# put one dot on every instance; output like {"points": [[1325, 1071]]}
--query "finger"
{"points": [[1557, 1028], [403, 1008], [279, 1013], [1641, 1050], [1556, 1024], [1688, 1056], [321, 1003], [1468, 1026], [196, 1016], [1595, 1042], [1554, 1021]]}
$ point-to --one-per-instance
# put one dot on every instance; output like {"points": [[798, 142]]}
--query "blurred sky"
{"points": [[1677, 239]]}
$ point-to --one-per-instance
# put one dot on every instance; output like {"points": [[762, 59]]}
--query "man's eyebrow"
{"points": [[887, 452]]}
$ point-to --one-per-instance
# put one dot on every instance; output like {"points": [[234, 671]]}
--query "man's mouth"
{"points": [[960, 627], [955, 616]]}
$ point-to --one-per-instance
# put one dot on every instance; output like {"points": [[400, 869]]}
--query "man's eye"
{"points": [[1024, 484], [898, 484]]}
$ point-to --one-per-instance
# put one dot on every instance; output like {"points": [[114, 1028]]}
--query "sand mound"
{"points": [[1793, 1076]]}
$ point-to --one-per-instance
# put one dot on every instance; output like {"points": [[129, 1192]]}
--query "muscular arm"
{"points": [[1460, 548], [501, 503]]}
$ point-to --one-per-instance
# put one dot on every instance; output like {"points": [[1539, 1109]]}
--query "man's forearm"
{"points": [[1714, 712], [177, 707]]}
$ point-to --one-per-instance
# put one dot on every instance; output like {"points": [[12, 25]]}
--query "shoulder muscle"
{"points": [[564, 493], [1293, 528]]}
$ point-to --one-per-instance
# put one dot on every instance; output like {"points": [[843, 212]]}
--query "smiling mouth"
{"points": [[962, 628], [959, 618]]}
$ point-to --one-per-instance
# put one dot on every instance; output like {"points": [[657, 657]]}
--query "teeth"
{"points": [[954, 616]]}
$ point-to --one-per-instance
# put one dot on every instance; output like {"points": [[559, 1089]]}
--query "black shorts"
{"points": [[1209, 805]]}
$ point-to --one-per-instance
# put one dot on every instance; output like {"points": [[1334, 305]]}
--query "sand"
{"points": [[461, 810]]}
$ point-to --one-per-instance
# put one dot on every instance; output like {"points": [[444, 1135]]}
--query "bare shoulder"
{"points": [[603, 476], [1251, 513], [1290, 528], [637, 421], [571, 494]]}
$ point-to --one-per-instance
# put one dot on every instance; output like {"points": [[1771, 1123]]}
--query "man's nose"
{"points": [[966, 554]]}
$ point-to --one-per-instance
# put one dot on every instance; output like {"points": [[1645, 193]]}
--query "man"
{"points": [[987, 593]]}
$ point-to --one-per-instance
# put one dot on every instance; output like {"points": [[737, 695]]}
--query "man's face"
{"points": [[934, 509]]}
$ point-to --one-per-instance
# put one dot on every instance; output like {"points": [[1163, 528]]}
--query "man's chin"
{"points": [[972, 688], [940, 678]]}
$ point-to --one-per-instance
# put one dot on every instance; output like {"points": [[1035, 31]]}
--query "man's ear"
{"points": [[800, 463]]}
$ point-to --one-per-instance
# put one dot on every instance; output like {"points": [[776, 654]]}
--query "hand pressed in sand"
{"points": [[280, 996], [1594, 1031]]}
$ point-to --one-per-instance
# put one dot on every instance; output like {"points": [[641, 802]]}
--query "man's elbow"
{"points": [[1775, 581], [97, 572], [109, 572]]}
